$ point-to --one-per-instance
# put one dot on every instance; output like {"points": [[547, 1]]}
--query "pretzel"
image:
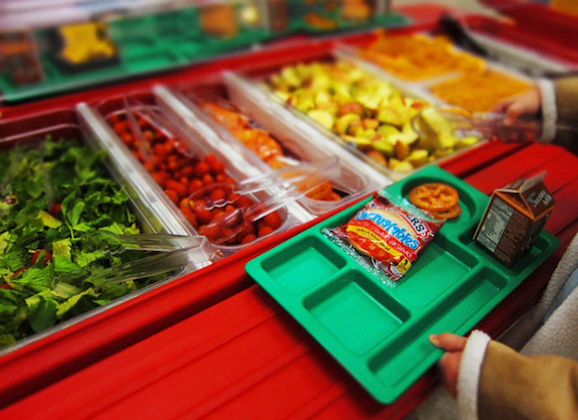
{"points": [[434, 197], [452, 213]]}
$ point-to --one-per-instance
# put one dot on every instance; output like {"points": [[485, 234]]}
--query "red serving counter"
{"points": [[213, 343], [246, 357]]}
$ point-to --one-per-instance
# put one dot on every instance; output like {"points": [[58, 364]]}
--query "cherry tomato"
{"points": [[202, 169], [248, 238], [218, 195], [173, 196], [177, 187], [273, 220], [265, 230], [195, 185]]}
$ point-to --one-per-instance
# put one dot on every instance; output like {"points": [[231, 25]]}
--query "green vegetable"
{"points": [[36, 296]]}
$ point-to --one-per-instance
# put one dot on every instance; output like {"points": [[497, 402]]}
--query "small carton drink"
{"points": [[514, 218]]}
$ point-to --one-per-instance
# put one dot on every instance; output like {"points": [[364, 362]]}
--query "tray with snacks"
{"points": [[351, 103], [377, 328]]}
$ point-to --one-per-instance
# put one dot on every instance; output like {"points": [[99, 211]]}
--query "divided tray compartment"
{"points": [[64, 124], [378, 330], [197, 140], [332, 11], [256, 78], [350, 184], [425, 87], [56, 45], [146, 44]]}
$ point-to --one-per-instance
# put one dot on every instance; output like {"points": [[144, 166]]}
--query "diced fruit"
{"points": [[375, 155], [418, 157], [345, 121], [466, 142], [367, 112], [322, 117], [401, 150]]}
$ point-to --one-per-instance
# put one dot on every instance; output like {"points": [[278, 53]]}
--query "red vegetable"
{"points": [[56, 209], [180, 175], [47, 256]]}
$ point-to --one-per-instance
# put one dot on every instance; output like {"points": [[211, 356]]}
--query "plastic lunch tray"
{"points": [[379, 332], [298, 11], [146, 44]]}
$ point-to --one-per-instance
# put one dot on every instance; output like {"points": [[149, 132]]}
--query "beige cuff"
{"points": [[549, 112], [469, 376]]}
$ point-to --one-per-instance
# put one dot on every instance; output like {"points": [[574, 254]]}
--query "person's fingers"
{"points": [[448, 342], [450, 366], [503, 105], [514, 112]]}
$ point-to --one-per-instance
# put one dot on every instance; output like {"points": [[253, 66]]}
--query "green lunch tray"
{"points": [[147, 44], [379, 330]]}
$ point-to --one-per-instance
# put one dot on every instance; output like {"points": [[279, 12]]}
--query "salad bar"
{"points": [[302, 214]]}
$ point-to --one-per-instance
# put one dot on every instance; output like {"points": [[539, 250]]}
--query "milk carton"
{"points": [[514, 218]]}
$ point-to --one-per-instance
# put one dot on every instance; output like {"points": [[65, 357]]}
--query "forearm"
{"points": [[559, 100], [567, 100], [511, 386]]}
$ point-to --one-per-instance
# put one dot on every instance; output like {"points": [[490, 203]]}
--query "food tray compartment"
{"points": [[193, 145], [64, 125], [478, 71], [378, 329], [395, 61], [294, 147], [363, 148]]}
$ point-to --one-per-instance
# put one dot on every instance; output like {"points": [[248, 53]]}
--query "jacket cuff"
{"points": [[469, 376], [549, 112]]}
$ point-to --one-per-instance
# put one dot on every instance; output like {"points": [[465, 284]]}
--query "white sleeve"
{"points": [[549, 112], [469, 376]]}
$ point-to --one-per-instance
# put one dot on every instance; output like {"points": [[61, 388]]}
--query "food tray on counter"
{"points": [[330, 16], [228, 108], [435, 81], [146, 44], [378, 330], [367, 151], [61, 125], [195, 144]]}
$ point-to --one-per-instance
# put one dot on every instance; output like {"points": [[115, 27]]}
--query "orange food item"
{"points": [[417, 57], [260, 142], [320, 22], [434, 196], [452, 213], [440, 200], [480, 93]]}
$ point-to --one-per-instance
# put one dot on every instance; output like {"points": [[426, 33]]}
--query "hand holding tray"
{"points": [[379, 330]]}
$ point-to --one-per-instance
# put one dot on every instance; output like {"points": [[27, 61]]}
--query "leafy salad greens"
{"points": [[49, 198]]}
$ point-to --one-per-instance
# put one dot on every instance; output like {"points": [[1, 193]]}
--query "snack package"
{"points": [[385, 236]]}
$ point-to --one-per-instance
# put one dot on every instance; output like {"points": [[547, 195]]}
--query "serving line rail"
{"points": [[245, 356]]}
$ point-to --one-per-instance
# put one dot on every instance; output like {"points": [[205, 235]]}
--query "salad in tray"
{"points": [[51, 197]]}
